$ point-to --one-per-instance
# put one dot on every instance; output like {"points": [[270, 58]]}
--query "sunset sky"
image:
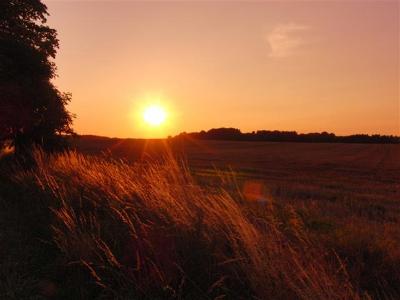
{"points": [[304, 66]]}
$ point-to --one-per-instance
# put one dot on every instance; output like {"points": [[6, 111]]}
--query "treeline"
{"points": [[234, 134]]}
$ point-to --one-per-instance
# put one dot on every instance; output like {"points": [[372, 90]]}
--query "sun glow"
{"points": [[154, 115]]}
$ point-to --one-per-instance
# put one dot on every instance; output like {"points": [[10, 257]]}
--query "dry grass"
{"points": [[148, 231]]}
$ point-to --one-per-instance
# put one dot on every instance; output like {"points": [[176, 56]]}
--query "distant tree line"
{"points": [[234, 134]]}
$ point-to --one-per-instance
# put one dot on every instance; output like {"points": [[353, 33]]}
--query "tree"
{"points": [[32, 109]]}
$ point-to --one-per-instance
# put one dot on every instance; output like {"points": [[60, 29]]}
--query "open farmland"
{"points": [[329, 171], [187, 219], [347, 195], [363, 179]]}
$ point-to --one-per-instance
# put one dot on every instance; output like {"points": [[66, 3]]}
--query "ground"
{"points": [[344, 197]]}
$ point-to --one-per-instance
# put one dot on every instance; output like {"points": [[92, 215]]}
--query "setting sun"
{"points": [[154, 115]]}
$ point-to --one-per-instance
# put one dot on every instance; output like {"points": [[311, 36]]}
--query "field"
{"points": [[186, 219], [360, 180], [347, 194]]}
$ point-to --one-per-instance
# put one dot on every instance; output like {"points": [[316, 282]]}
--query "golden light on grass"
{"points": [[154, 115], [163, 203]]}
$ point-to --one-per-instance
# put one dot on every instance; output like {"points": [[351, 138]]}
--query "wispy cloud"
{"points": [[284, 39]]}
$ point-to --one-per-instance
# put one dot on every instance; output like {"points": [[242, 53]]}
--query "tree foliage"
{"points": [[32, 109]]}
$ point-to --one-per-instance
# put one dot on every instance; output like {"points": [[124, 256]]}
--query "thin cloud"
{"points": [[284, 39]]}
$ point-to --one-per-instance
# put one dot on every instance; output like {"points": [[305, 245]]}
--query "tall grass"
{"points": [[148, 231]]}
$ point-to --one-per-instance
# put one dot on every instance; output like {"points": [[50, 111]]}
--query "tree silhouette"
{"points": [[234, 134], [32, 109]]}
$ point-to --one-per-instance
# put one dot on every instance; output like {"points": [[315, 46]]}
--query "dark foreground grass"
{"points": [[80, 227]]}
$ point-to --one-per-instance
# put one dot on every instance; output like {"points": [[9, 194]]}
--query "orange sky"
{"points": [[304, 66]]}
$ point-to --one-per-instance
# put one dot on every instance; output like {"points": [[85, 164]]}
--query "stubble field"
{"points": [[347, 195]]}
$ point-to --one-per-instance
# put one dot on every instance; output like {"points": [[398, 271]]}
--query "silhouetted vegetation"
{"points": [[234, 134], [32, 109]]}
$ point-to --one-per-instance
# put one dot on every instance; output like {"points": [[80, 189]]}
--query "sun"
{"points": [[154, 115]]}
